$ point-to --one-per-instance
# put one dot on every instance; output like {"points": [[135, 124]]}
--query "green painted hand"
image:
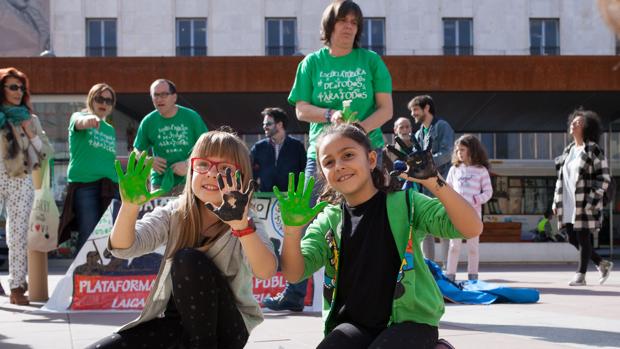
{"points": [[132, 184], [295, 206]]}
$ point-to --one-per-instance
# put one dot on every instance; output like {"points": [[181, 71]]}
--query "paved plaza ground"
{"points": [[565, 317]]}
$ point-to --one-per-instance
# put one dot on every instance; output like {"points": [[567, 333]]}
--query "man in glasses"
{"points": [[278, 154], [168, 133]]}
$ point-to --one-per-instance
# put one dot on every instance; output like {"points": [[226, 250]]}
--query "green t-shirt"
{"points": [[91, 152], [325, 81], [169, 138]]}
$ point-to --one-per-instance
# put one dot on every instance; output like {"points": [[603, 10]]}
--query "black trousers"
{"points": [[202, 312], [407, 335], [581, 240]]}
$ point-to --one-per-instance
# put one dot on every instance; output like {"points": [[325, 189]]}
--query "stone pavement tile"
{"points": [[89, 327], [20, 328], [286, 330]]}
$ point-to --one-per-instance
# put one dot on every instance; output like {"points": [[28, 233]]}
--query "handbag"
{"points": [[44, 217]]}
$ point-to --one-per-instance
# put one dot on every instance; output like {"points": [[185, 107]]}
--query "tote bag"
{"points": [[44, 217]]}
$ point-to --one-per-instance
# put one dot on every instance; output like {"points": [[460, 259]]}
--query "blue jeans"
{"points": [[88, 210]]}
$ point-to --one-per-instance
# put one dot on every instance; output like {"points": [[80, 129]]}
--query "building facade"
{"points": [[288, 27]]}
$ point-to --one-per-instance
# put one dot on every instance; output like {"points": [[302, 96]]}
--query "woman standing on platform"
{"points": [[24, 147], [91, 176], [583, 178], [341, 71]]}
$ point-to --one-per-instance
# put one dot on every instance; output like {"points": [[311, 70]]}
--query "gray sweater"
{"points": [[161, 227]]}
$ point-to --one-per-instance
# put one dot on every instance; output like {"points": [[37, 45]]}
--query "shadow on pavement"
{"points": [[4, 345], [576, 291], [548, 334]]}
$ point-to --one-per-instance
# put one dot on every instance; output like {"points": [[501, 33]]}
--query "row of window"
{"points": [[281, 36]]}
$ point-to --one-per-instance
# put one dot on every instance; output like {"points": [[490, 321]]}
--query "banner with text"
{"points": [[98, 281]]}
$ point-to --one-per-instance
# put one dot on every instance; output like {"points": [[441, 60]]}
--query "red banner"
{"points": [[125, 292], [275, 285]]}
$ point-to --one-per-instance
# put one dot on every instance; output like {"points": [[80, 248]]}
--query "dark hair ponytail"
{"points": [[356, 133]]}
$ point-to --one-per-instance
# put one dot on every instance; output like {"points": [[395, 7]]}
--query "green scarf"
{"points": [[14, 115]]}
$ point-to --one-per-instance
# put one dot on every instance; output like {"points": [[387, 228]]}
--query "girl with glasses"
{"points": [[91, 176], [24, 148], [202, 297]]}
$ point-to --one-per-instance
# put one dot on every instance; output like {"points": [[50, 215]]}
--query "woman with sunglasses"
{"points": [[202, 297], [91, 176], [23, 149]]}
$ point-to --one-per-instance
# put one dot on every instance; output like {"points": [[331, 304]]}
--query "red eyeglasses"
{"points": [[203, 165]]}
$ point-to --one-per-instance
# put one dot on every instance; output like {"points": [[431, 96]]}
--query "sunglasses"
{"points": [[15, 87], [267, 124], [102, 100], [202, 166]]}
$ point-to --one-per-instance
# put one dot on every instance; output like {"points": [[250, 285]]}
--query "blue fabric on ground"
{"points": [[480, 292]]}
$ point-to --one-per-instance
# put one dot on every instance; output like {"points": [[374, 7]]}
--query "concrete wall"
{"points": [[236, 28]]}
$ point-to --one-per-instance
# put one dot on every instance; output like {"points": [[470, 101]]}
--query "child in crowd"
{"points": [[202, 297], [378, 291], [469, 176]]}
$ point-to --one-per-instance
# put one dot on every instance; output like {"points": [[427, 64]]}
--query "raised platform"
{"points": [[528, 252]]}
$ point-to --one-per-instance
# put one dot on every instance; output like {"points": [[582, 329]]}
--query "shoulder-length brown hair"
{"points": [[221, 144], [476, 150], [95, 91], [338, 10], [11, 72]]}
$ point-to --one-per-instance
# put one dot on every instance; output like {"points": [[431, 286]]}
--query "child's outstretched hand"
{"points": [[132, 184], [295, 207], [414, 163], [234, 208]]}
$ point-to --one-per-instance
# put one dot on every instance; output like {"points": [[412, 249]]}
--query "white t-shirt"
{"points": [[570, 172]]}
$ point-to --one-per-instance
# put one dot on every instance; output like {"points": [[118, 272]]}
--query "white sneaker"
{"points": [[578, 280], [604, 269]]}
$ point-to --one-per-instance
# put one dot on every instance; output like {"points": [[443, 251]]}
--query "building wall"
{"points": [[237, 28]]}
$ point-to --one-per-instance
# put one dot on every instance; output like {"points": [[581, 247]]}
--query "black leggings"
{"points": [[403, 335], [202, 312], [581, 240]]}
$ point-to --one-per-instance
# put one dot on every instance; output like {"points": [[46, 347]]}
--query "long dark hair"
{"points": [[356, 133], [591, 124], [11, 72], [477, 153], [337, 10]]}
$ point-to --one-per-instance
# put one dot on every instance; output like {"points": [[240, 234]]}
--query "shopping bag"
{"points": [[44, 217]]}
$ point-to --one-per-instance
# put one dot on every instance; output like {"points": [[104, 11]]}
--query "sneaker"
{"points": [[472, 277], [604, 268], [281, 302], [578, 280]]}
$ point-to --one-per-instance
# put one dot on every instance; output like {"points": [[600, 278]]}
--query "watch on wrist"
{"points": [[250, 229], [328, 115]]}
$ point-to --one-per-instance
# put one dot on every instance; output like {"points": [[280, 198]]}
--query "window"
{"points": [[373, 36], [191, 36], [101, 37], [544, 37], [280, 36], [458, 37]]}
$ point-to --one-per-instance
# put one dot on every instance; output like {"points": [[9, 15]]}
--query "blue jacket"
{"points": [[292, 158], [443, 142]]}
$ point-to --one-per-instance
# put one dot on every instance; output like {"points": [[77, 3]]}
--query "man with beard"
{"points": [[431, 127], [274, 157]]}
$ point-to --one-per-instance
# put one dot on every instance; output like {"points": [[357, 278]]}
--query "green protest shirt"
{"points": [[325, 81], [169, 138], [91, 152]]}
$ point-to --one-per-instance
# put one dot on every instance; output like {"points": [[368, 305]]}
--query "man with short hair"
{"points": [[423, 111], [169, 132], [402, 129], [278, 154]]}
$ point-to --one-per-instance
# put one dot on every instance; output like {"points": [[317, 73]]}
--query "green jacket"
{"points": [[417, 297]]}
